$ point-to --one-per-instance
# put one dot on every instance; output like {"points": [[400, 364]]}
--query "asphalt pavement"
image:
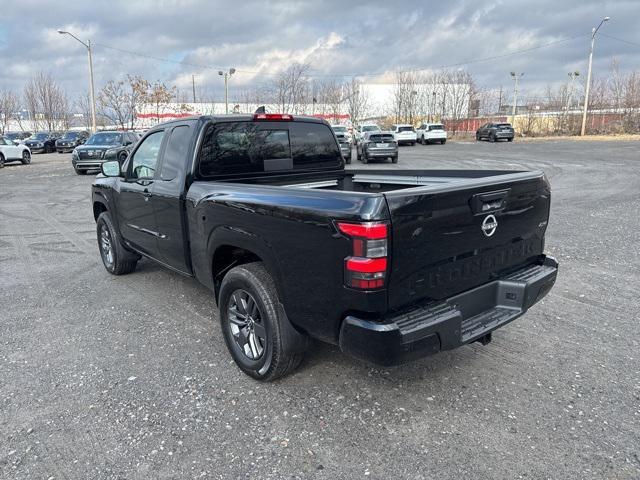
{"points": [[128, 377]]}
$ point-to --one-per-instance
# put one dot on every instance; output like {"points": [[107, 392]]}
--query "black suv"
{"points": [[17, 136], [41, 142], [495, 131], [102, 147], [71, 140]]}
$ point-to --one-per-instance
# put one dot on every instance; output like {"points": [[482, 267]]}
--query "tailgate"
{"points": [[449, 238]]}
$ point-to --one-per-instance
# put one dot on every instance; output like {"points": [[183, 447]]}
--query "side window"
{"points": [[175, 152], [145, 158]]}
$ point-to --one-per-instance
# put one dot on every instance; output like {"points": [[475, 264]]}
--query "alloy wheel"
{"points": [[106, 245], [246, 323]]}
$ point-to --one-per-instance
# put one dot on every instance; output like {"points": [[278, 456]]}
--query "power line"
{"points": [[620, 40], [451, 65]]}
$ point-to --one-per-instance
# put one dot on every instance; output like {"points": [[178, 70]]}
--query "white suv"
{"points": [[367, 127], [432, 133], [404, 134]]}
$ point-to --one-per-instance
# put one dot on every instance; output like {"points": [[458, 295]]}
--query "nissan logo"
{"points": [[489, 225]]}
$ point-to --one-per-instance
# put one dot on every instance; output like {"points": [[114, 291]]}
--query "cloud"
{"points": [[335, 37]]}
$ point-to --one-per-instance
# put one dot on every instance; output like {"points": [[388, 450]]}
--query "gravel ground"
{"points": [[129, 377]]}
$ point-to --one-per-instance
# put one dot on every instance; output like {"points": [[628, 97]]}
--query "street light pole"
{"points": [[586, 92], [91, 88], [514, 108], [572, 77], [226, 76]]}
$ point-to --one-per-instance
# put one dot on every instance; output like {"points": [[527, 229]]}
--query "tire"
{"points": [[116, 259], [257, 332], [26, 157], [442, 142], [493, 138], [1, 161], [348, 160], [364, 159], [121, 158], [413, 144], [394, 159], [509, 139], [477, 137]]}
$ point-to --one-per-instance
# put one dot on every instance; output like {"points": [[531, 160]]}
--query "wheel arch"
{"points": [[231, 247]]}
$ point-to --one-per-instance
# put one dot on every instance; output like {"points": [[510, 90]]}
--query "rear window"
{"points": [[370, 128], [255, 147], [384, 138], [406, 129], [436, 127], [503, 125]]}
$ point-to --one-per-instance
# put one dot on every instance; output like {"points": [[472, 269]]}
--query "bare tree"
{"points": [[115, 103], [357, 101], [83, 105], [405, 101], [9, 104], [291, 89], [46, 102]]}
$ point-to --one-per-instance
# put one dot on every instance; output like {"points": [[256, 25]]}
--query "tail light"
{"points": [[272, 116], [366, 268]]}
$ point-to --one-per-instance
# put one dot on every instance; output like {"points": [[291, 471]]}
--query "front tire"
{"points": [[26, 158], [1, 161], [442, 142], [394, 159], [116, 259], [254, 328]]}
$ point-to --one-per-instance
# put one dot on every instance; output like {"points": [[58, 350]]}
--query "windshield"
{"points": [[39, 136], [70, 136], [371, 128], [105, 138], [406, 129], [339, 129]]}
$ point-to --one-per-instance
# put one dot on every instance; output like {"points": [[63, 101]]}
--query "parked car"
{"points": [[41, 142], [431, 133], [495, 131], [377, 145], [362, 129], [390, 265], [102, 147], [10, 152], [343, 130], [70, 140], [345, 146], [17, 137], [404, 134]]}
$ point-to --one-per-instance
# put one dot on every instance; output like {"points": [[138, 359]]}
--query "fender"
{"points": [[241, 238]]}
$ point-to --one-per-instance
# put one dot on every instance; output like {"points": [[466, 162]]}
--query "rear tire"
{"points": [[26, 158], [493, 138], [477, 137], [1, 161], [115, 257], [257, 332]]}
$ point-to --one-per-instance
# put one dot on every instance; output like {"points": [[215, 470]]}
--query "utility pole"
{"points": [[586, 92], [193, 86], [226, 76], [91, 88], [516, 77]]}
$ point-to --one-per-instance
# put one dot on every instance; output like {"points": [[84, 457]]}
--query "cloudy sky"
{"points": [[337, 38]]}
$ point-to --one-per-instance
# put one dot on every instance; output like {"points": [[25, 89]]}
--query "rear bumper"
{"points": [[445, 325], [373, 153]]}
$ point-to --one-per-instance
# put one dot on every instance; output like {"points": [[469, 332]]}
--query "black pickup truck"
{"points": [[390, 265]]}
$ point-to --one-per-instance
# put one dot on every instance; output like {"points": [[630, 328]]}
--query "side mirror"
{"points": [[110, 169], [16, 142]]}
